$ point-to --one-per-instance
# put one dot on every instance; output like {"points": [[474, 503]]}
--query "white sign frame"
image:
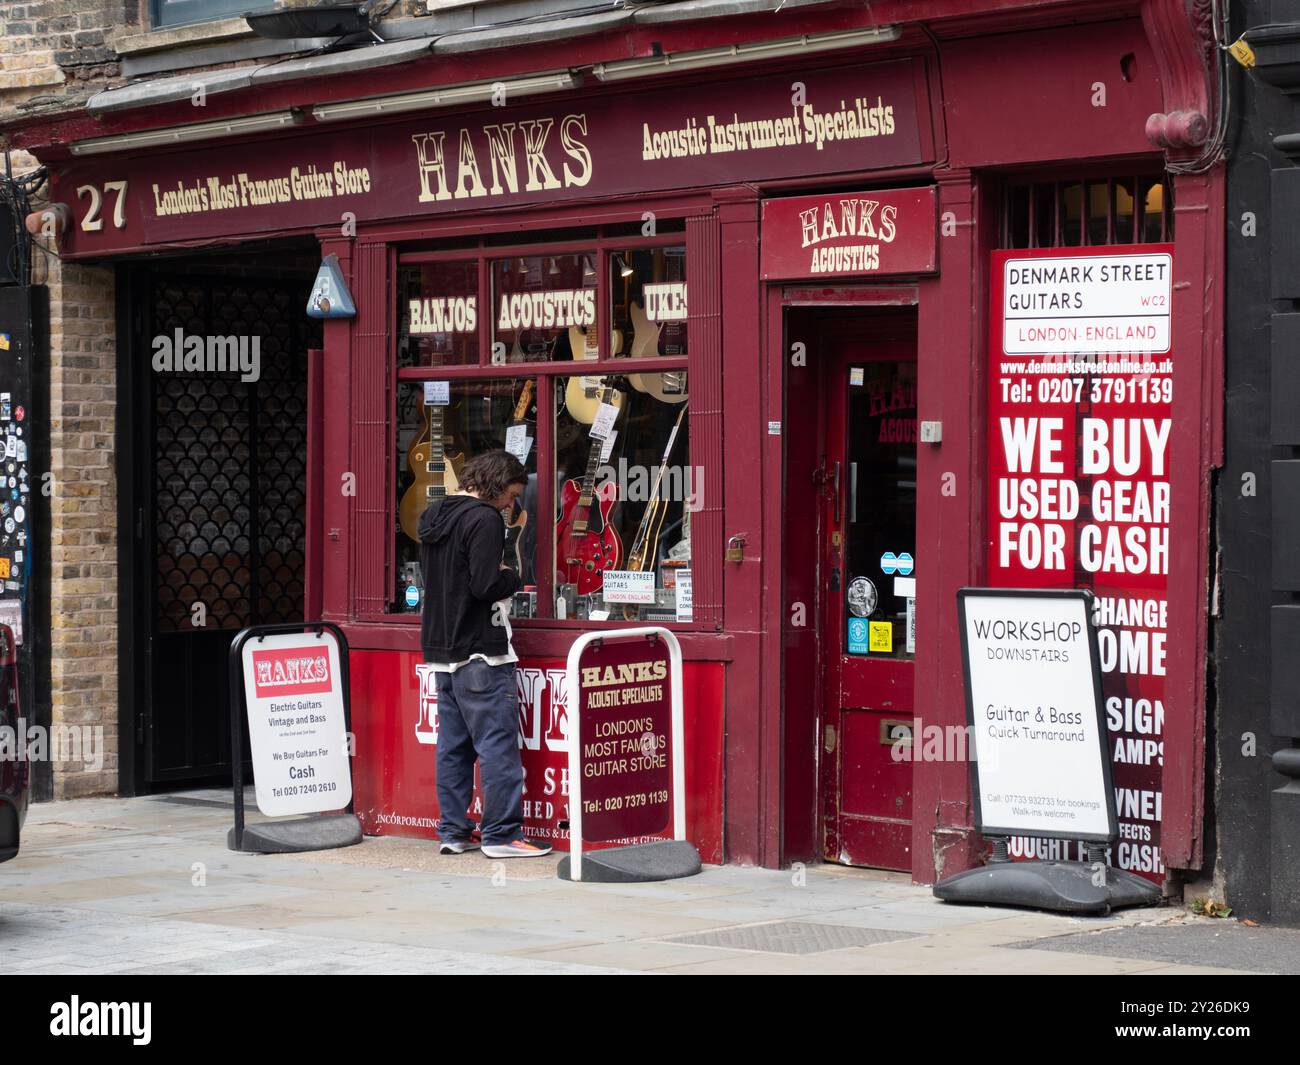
{"points": [[994, 759], [267, 772], [678, 746], [1122, 301]]}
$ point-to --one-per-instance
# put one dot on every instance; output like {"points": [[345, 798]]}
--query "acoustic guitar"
{"points": [[580, 392], [645, 545], [581, 554], [667, 387], [436, 473]]}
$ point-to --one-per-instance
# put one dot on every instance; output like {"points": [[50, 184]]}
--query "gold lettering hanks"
{"points": [[624, 673]]}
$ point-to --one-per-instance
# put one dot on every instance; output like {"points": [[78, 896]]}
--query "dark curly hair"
{"points": [[488, 475]]}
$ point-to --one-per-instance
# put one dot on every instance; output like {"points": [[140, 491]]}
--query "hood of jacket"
{"points": [[440, 518]]}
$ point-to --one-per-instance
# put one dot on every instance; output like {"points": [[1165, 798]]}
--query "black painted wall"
{"points": [[1257, 500]]}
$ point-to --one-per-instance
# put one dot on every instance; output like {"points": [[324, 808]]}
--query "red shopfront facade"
{"points": [[780, 275]]}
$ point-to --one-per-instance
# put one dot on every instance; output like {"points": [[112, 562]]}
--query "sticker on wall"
{"points": [[901, 563], [905, 587], [855, 376], [412, 595], [910, 642], [437, 393], [858, 636], [862, 597], [881, 636], [330, 297], [773, 428]]}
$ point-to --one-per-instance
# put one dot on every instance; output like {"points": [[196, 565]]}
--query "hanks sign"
{"points": [[587, 145], [888, 231]]}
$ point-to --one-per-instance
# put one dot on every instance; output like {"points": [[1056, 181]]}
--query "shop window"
{"points": [[626, 488], [1070, 213], [648, 303], [179, 12], [439, 425], [438, 314], [603, 531], [544, 308]]}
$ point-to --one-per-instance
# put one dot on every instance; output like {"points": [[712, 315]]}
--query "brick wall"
{"points": [[82, 539], [58, 46], [83, 512], [61, 48], [83, 561]]}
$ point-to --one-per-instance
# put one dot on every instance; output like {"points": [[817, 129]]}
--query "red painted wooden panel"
{"points": [[394, 771]]}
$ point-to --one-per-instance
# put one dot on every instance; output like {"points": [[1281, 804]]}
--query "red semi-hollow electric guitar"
{"points": [[582, 555]]}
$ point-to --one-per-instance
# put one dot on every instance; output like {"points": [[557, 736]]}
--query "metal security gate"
{"points": [[221, 501]]}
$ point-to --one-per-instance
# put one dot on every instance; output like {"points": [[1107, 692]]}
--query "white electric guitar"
{"points": [[581, 393]]}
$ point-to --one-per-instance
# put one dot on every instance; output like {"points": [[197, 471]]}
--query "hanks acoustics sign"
{"points": [[886, 231], [1080, 427], [838, 119]]}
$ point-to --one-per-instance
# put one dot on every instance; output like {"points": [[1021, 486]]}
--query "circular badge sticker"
{"points": [[862, 597], [412, 595], [20, 514]]}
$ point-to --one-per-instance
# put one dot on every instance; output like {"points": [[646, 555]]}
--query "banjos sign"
{"points": [[840, 234]]}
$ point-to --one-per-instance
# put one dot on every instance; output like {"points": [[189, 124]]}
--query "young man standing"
{"points": [[465, 634]]}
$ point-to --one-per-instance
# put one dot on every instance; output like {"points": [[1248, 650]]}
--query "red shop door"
{"points": [[869, 564]]}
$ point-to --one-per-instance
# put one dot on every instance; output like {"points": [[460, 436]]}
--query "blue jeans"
{"points": [[478, 716]]}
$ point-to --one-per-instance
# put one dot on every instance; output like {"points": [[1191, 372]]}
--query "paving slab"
{"points": [[147, 885]]}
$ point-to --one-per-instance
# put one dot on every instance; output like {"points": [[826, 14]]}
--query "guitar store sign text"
{"points": [[851, 118], [884, 231]]}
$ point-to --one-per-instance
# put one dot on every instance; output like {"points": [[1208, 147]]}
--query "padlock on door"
{"points": [[736, 548]]}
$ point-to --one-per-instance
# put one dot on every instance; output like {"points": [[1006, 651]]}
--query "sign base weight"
{"points": [[1063, 887], [667, 859], [302, 834]]}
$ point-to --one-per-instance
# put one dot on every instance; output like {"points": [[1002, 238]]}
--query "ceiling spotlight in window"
{"points": [[624, 269]]}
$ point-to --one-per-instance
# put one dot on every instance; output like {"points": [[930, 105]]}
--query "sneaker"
{"points": [[518, 848], [456, 846]]}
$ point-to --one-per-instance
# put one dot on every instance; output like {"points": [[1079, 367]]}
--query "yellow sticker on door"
{"points": [[881, 636]]}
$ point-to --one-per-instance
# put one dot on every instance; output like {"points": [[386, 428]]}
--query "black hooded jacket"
{"points": [[462, 540]]}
